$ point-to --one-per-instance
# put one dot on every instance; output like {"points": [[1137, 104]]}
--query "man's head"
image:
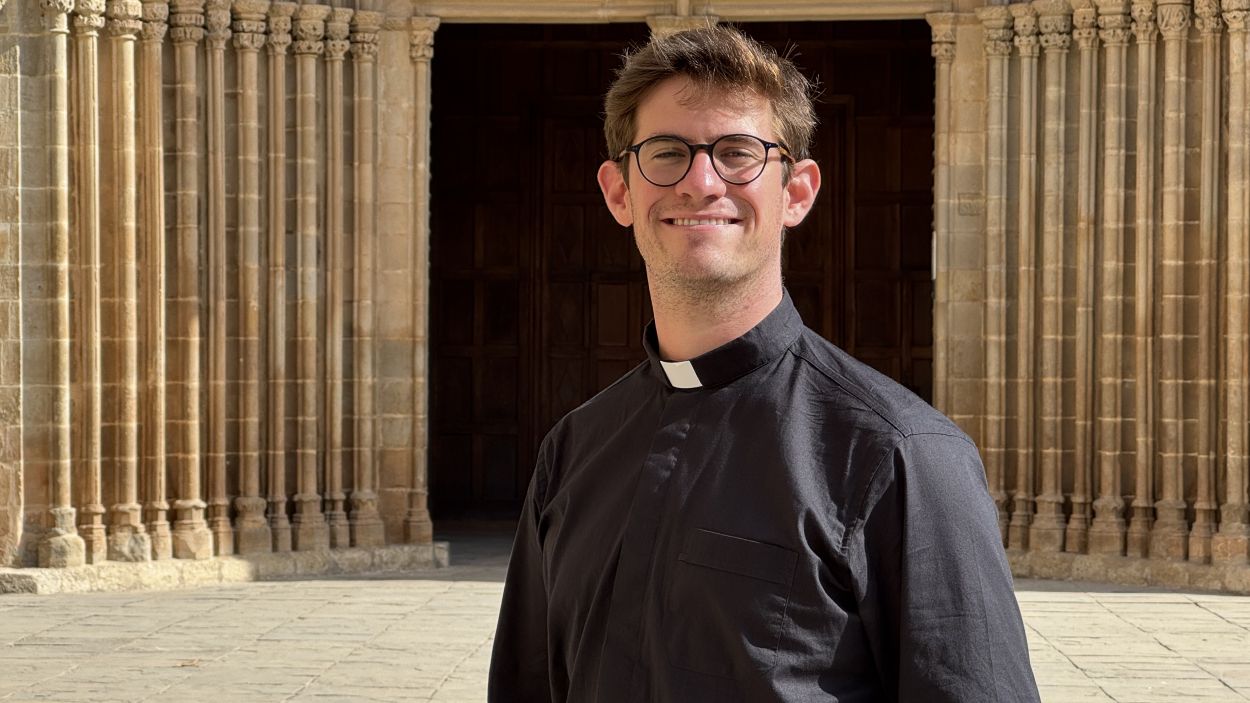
{"points": [[718, 227]]}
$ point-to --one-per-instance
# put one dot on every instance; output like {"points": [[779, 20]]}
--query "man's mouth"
{"points": [[697, 221]]}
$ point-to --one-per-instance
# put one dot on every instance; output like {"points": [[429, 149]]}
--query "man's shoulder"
{"points": [[606, 406], [895, 410]]}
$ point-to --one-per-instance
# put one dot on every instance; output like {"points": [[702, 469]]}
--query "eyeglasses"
{"points": [[736, 158]]}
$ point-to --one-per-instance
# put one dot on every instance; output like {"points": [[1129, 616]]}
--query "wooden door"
{"points": [[538, 297]]}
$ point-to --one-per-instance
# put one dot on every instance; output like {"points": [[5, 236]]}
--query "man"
{"points": [[750, 514]]}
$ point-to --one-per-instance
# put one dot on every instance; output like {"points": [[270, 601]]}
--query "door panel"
{"points": [[538, 297]]}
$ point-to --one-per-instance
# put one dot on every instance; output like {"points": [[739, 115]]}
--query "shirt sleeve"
{"points": [[936, 597], [519, 669]]}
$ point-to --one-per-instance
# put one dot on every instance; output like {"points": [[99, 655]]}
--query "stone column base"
{"points": [[1231, 546], [368, 533], [128, 544], [192, 541], [61, 550], [253, 536], [1046, 533], [340, 529], [310, 535], [223, 535]]}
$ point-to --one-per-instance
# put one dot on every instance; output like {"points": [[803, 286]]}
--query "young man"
{"points": [[751, 514]]}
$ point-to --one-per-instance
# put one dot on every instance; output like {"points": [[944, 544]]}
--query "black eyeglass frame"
{"points": [[782, 149]]}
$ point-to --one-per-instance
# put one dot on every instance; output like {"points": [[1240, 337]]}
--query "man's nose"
{"points": [[701, 180]]}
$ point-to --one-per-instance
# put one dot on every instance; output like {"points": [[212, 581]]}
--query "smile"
{"points": [[692, 222]]}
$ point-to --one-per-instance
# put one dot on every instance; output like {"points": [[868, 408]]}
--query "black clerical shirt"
{"points": [[771, 521]]}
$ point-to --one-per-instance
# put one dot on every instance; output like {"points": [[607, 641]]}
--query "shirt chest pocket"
{"points": [[726, 603]]}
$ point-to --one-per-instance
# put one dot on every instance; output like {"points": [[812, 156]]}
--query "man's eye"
{"points": [[667, 155]]}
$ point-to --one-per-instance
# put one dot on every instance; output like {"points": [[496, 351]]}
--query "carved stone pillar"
{"points": [[279, 39], [1106, 535], [336, 47], [309, 521], [1026, 276], [88, 20], [1232, 544], [667, 25], [942, 26], [1146, 31], [1169, 539], [60, 546], [191, 537], [418, 527], [1206, 504], [252, 534], [1047, 531], [366, 524], [1085, 21], [218, 25], [998, 34], [128, 539]]}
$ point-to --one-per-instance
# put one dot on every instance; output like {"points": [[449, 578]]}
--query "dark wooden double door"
{"points": [[538, 297]]}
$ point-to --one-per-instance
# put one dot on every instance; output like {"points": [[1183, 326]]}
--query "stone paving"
{"points": [[427, 636]]}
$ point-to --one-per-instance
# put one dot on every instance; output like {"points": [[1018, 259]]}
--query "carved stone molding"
{"points": [[55, 14], [1144, 26], [421, 38], [1055, 24], [668, 25], [155, 20]]}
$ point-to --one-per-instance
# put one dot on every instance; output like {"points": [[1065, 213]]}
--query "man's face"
{"points": [[703, 233]]}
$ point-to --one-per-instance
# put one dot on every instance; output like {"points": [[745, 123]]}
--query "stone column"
{"points": [[217, 17], [1232, 544], [88, 19], [1085, 20], [1206, 504], [1143, 266], [60, 546], [128, 538], [943, 50], [366, 524], [279, 39], [418, 527], [1047, 531], [1169, 540], [152, 274], [1106, 535], [336, 47], [1026, 275], [310, 524], [252, 534], [191, 537], [998, 34]]}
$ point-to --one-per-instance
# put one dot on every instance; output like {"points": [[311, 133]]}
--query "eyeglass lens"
{"points": [[738, 158]]}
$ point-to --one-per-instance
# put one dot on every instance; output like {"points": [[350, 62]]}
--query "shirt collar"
{"points": [[734, 359]]}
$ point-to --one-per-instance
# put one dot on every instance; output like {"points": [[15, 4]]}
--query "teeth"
{"points": [[686, 221]]}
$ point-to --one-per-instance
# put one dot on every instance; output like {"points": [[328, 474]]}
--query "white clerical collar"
{"points": [[681, 374]]}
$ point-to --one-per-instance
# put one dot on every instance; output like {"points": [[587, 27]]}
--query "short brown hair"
{"points": [[719, 58]]}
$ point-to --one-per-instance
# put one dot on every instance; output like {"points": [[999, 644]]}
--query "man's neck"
{"points": [[691, 325]]}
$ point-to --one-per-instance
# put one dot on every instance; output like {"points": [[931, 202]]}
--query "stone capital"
{"points": [[217, 22], [1174, 19], [55, 12], [942, 31], [338, 27], [1144, 26], [88, 16], [1026, 28], [997, 26], [667, 25], [1235, 13], [309, 29], [1208, 12], [421, 38], [124, 18], [364, 35], [186, 21], [280, 26]]}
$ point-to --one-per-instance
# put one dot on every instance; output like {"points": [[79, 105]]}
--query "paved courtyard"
{"points": [[427, 636]]}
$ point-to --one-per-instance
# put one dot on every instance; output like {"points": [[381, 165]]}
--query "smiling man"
{"points": [[750, 514]]}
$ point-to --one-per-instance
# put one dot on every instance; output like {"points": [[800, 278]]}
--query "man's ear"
{"points": [[615, 192], [801, 191]]}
